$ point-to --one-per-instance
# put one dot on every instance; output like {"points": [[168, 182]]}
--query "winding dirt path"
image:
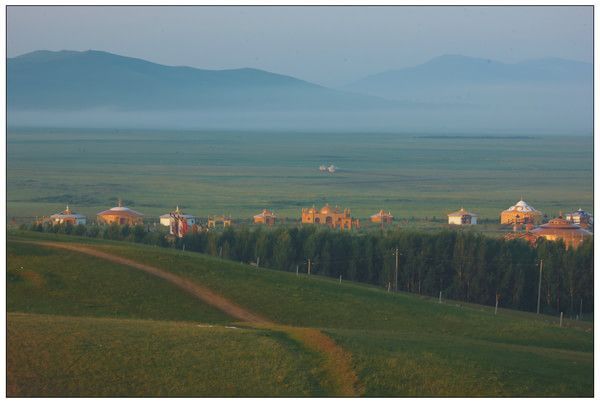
{"points": [[342, 380]]}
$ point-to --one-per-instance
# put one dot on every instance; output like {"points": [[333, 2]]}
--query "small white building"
{"points": [[167, 219], [68, 216], [462, 217]]}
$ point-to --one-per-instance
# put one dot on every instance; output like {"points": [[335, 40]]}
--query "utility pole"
{"points": [[540, 286], [496, 309], [309, 267], [561, 318], [396, 278], [581, 309]]}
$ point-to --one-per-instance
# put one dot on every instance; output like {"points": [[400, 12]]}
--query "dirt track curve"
{"points": [[342, 380]]}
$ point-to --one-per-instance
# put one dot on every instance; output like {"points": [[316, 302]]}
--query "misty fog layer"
{"points": [[453, 94]]}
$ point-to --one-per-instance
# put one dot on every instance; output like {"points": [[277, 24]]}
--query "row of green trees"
{"points": [[465, 266]]}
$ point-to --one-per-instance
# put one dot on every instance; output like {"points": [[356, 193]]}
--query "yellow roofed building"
{"points": [[265, 217], [120, 215], [330, 216], [520, 213]]}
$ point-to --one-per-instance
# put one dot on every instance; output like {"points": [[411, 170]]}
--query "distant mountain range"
{"points": [[93, 79], [448, 93], [467, 79]]}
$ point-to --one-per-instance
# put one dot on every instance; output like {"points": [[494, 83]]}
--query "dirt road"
{"points": [[337, 364]]}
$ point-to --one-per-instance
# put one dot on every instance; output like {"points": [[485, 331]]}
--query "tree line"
{"points": [[465, 266]]}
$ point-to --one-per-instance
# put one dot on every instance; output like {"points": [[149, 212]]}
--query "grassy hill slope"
{"points": [[401, 344]]}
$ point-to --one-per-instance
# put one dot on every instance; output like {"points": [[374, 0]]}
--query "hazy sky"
{"points": [[327, 45]]}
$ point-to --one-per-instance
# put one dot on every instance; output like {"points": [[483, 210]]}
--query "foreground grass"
{"points": [[428, 364], [401, 345], [74, 356]]}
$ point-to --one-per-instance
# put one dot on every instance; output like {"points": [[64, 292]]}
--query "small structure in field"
{"points": [[213, 221], [581, 218], [331, 168], [120, 215], [520, 213], [265, 217], [382, 217], [462, 217], [68, 216], [331, 217]]}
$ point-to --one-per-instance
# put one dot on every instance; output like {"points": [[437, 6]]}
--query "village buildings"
{"points": [[68, 216], [265, 217], [332, 217], [120, 215], [520, 213], [462, 217], [572, 230]]}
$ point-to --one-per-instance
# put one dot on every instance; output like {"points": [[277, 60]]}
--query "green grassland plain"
{"points": [[401, 344], [240, 173]]}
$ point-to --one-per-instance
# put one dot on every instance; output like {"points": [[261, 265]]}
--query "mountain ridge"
{"points": [[51, 79], [451, 69]]}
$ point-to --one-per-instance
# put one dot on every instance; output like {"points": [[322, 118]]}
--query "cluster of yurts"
{"points": [[572, 229]]}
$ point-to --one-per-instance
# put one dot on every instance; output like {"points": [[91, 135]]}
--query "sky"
{"points": [[327, 45]]}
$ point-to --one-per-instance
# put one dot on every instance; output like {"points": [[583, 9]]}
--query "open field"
{"points": [[240, 173], [400, 344]]}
